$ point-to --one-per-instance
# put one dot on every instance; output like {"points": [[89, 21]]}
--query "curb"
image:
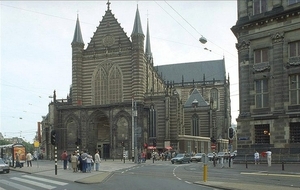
{"points": [[95, 179]]}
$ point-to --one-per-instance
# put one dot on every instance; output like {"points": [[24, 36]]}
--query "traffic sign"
{"points": [[213, 146], [36, 144]]}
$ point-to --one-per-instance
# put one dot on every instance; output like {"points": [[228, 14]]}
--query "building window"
{"points": [[261, 93], [260, 6], [261, 56], [293, 2], [294, 49], [294, 89], [115, 85], [214, 98], [294, 132], [152, 122], [195, 125], [262, 134], [100, 87]]}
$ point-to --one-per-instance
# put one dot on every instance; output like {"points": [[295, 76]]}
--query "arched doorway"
{"points": [[99, 135]]}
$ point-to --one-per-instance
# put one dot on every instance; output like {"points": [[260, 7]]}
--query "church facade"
{"points": [[119, 101]]}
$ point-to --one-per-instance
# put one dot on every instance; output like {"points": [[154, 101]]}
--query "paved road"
{"points": [[46, 168]]}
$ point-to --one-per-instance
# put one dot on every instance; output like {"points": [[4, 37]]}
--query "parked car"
{"points": [[197, 157], [181, 158], [210, 156], [4, 168], [234, 153]]}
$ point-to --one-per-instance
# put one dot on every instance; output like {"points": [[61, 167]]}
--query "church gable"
{"points": [[109, 36]]}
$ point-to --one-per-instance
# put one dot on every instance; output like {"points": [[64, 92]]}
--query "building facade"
{"points": [[269, 70], [120, 101]]}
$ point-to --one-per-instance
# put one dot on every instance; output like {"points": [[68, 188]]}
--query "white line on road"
{"points": [[45, 180], [15, 185], [33, 183], [267, 174]]}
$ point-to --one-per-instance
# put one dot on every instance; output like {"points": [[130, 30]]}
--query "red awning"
{"points": [[168, 147], [151, 147]]}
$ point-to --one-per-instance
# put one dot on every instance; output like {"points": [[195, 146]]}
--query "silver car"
{"points": [[4, 168]]}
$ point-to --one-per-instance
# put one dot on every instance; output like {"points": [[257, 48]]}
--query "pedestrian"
{"points": [[256, 157], [269, 157], [29, 159], [89, 160], [79, 165], [18, 164], [74, 161], [83, 161], [64, 157], [97, 161]]}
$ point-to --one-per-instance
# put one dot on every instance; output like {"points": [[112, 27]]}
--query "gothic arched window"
{"points": [[115, 85], [214, 95], [195, 125], [100, 87], [152, 122]]}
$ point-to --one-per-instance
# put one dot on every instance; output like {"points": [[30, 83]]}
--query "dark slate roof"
{"points": [[214, 69], [77, 34], [196, 96], [137, 28], [148, 46]]}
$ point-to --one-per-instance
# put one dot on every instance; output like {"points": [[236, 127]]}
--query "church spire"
{"points": [[77, 34], [137, 28], [148, 46]]}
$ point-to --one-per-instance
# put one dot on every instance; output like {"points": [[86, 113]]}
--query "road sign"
{"points": [[36, 144], [213, 146]]}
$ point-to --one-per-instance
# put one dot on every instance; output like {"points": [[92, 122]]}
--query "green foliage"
{"points": [[29, 147], [4, 142]]}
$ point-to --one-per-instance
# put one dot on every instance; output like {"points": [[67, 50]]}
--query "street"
{"points": [[158, 175]]}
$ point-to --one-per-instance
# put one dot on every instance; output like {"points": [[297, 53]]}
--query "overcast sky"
{"points": [[36, 41]]}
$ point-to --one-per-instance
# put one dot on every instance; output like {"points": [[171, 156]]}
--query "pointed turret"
{"points": [[137, 27], [77, 34], [148, 46], [77, 49]]}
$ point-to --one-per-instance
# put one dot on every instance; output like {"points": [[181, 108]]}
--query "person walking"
{"points": [[64, 157], [83, 161], [269, 157], [74, 162], [89, 160], [97, 161], [29, 159], [18, 164], [256, 157]]}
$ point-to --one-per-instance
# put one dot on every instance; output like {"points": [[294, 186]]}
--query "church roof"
{"points": [[148, 46], [196, 97], [137, 28], [77, 34], [193, 71]]}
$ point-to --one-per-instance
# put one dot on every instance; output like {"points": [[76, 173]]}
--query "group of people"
{"points": [[82, 162], [267, 153]]}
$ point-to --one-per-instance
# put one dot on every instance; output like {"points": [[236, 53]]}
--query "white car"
{"points": [[4, 168], [197, 157]]}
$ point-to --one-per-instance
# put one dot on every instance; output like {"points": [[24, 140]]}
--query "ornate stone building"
{"points": [[269, 75], [119, 97]]}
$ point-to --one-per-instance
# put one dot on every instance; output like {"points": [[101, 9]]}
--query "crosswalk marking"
{"points": [[33, 183], [46, 180], [15, 185]]}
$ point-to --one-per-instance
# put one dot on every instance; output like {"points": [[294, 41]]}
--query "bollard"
{"points": [[282, 166], [205, 173], [229, 162], [246, 164]]}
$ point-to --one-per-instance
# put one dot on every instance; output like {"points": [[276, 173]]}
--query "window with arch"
{"points": [[195, 125], [107, 86], [100, 87], [214, 95], [115, 85], [152, 122]]}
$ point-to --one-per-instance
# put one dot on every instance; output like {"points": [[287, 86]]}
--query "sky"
{"points": [[36, 41]]}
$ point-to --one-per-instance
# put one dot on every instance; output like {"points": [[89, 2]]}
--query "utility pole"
{"points": [[132, 129]]}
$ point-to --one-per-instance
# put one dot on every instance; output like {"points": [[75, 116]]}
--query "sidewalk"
{"points": [[47, 168], [292, 170]]}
